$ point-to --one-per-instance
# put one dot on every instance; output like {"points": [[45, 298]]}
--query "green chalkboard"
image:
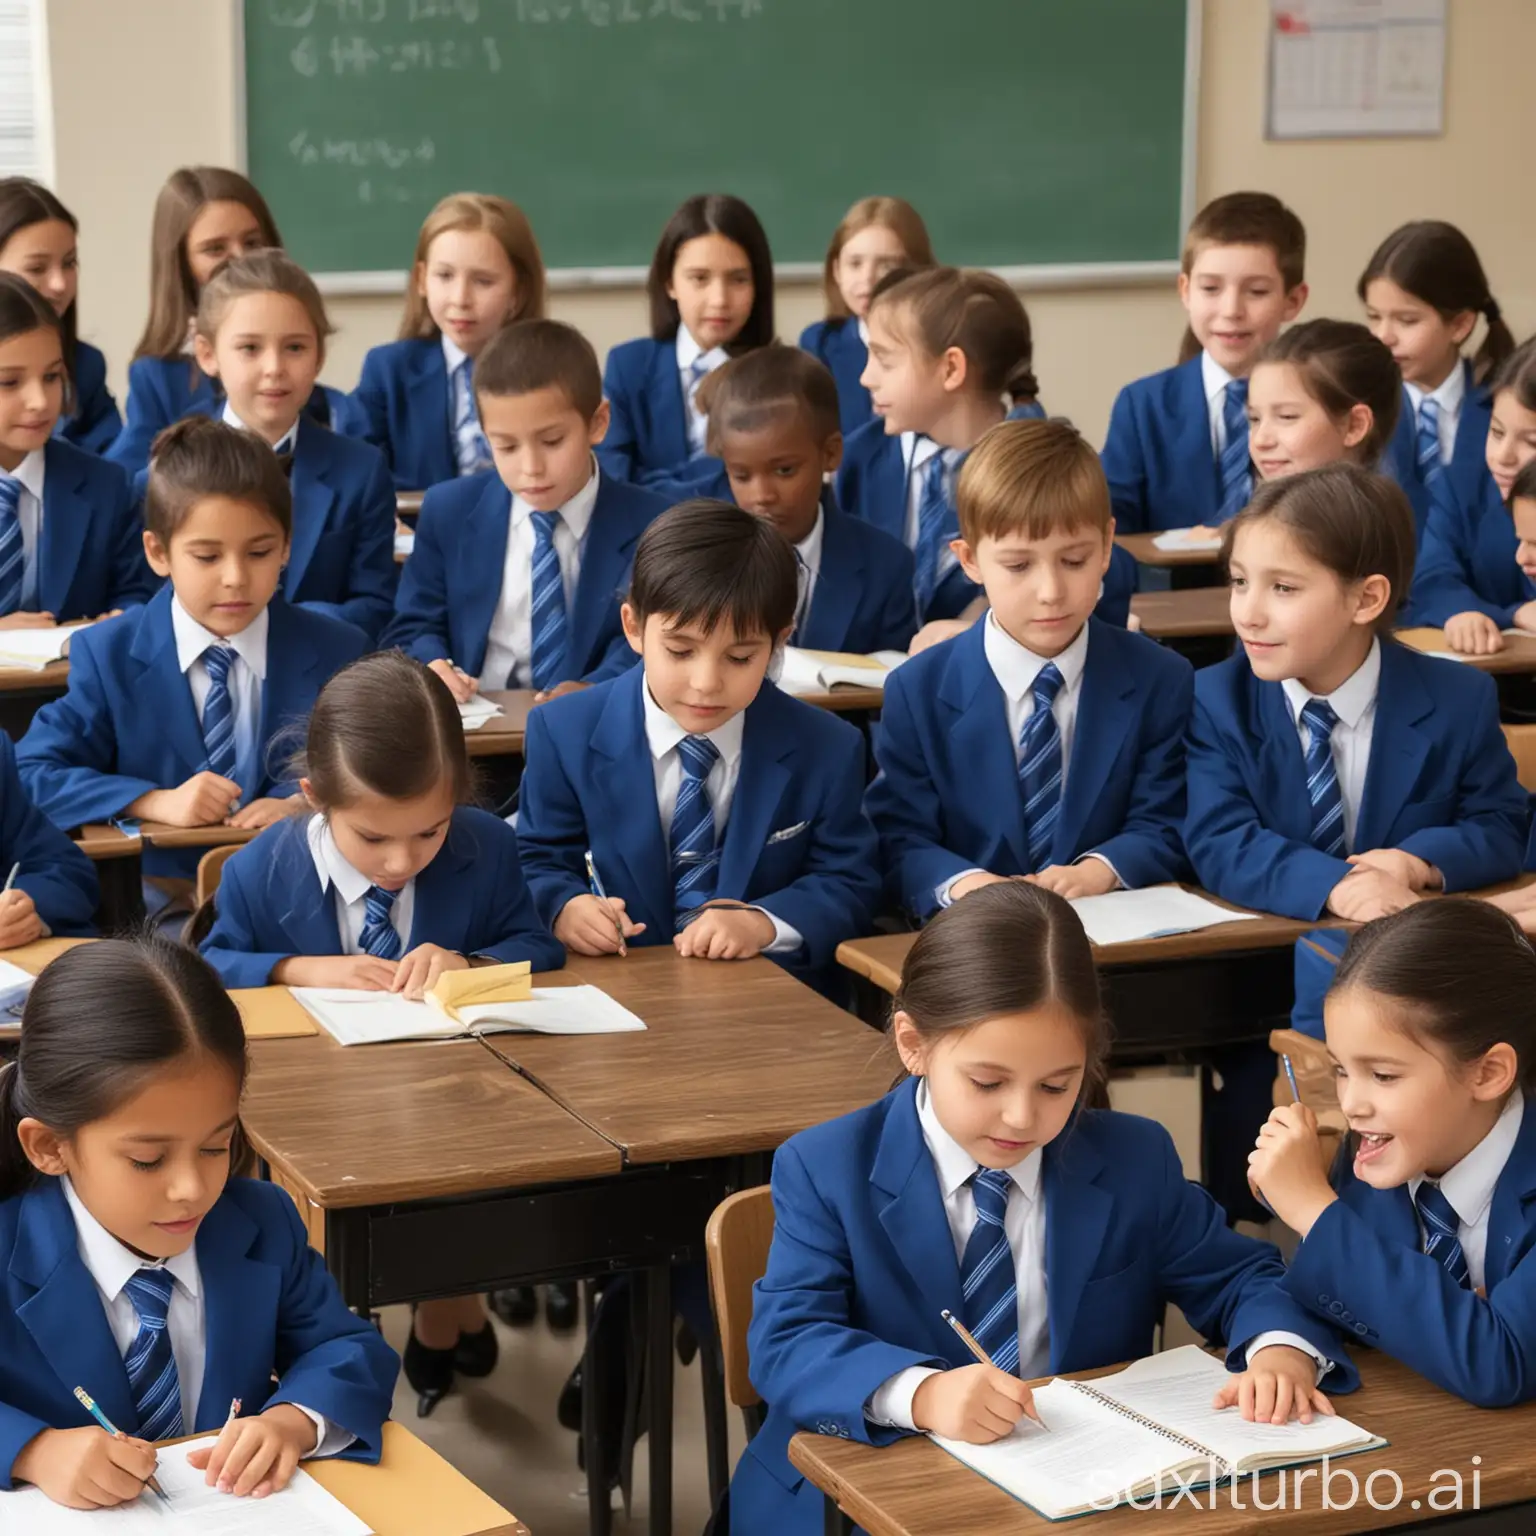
{"points": [[1026, 131]]}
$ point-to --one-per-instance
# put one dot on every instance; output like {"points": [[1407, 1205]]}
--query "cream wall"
{"points": [[141, 86]]}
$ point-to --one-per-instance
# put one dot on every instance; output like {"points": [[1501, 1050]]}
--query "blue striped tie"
{"points": [[219, 711], [803, 601], [379, 937], [13, 554], [472, 439], [1427, 443], [1236, 475], [695, 859], [1040, 767], [698, 370], [1323, 779], [549, 624], [988, 1279], [935, 528], [151, 1366], [1442, 1227]]}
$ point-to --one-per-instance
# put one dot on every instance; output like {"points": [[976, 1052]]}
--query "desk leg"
{"points": [[835, 1522], [122, 894], [658, 1378], [599, 1499]]}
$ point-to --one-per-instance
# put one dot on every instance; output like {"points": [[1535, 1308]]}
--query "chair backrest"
{"points": [[736, 1241], [210, 869], [1522, 744]]}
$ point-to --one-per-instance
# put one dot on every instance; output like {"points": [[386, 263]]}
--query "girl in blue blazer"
{"points": [[135, 1265], [711, 296], [477, 269], [1421, 1243], [877, 235], [986, 1185], [55, 891], [38, 242]]}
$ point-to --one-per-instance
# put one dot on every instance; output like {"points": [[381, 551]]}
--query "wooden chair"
{"points": [[210, 869], [1522, 746], [736, 1242]]}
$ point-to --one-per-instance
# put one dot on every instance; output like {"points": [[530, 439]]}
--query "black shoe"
{"points": [[568, 1405], [562, 1305], [516, 1306], [476, 1353], [430, 1373]]}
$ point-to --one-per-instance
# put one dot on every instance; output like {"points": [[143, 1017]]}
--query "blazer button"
{"points": [[1323, 1301], [1361, 1329], [1337, 1308]]}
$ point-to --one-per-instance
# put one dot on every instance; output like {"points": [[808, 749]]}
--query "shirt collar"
{"points": [[864, 331], [809, 548], [954, 1164], [1016, 666], [1450, 394], [333, 869], [576, 513], [663, 732], [29, 473], [689, 351], [454, 356], [284, 444], [917, 449], [250, 645], [111, 1265], [1350, 700], [1213, 376], [1469, 1185]]}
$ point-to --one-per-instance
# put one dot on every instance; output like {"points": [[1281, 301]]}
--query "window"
{"points": [[23, 151]]}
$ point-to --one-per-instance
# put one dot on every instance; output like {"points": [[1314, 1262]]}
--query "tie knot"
{"points": [[545, 522], [150, 1292], [1237, 393], [1429, 412], [218, 659], [699, 755], [1438, 1214], [1047, 684], [378, 903], [990, 1188], [1318, 717]]}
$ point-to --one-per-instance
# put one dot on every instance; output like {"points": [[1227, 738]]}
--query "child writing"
{"points": [[877, 236], [70, 542], [477, 268], [742, 833], [1176, 455], [171, 708], [985, 1184], [515, 578], [773, 422], [135, 1264], [1421, 1242], [38, 242], [261, 329], [711, 295], [1042, 744]]}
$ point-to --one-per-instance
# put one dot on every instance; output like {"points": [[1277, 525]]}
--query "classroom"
{"points": [[977, 635]]}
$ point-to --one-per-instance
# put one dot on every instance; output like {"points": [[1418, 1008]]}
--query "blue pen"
{"points": [[1290, 1077], [89, 1404], [594, 880]]}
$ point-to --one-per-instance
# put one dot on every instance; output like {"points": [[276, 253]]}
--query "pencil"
{"points": [[89, 1404], [1290, 1077], [595, 881], [969, 1340]]}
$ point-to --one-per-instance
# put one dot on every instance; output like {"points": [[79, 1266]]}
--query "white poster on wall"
{"points": [[1356, 68]]}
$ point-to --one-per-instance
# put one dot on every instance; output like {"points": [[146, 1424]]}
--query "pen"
{"points": [[969, 1340], [10, 879], [1290, 1077], [89, 1404], [595, 881]]}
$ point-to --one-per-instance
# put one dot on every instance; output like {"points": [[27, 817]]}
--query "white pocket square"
{"points": [[788, 832]]}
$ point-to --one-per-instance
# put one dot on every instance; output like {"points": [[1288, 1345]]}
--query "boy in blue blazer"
{"points": [[515, 578], [1041, 742], [55, 892], [1176, 455], [754, 842]]}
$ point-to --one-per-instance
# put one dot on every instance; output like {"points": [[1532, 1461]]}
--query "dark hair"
{"points": [[1246, 218], [715, 213], [1524, 486], [1437, 264], [704, 562], [1005, 948], [750, 389], [98, 1023], [1351, 521], [1517, 373], [198, 457], [1342, 366], [541, 354], [24, 310], [1462, 971], [23, 203]]}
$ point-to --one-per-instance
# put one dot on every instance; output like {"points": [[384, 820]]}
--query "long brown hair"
{"points": [[23, 203], [269, 271], [892, 213]]}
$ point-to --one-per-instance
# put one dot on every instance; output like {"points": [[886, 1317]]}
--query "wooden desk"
{"points": [[1144, 551], [1518, 655], [118, 857], [913, 1488], [1194, 613]]}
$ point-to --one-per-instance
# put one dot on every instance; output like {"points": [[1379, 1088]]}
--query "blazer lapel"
{"points": [[175, 715], [239, 1294], [444, 896], [431, 405], [1283, 769], [1468, 467], [628, 809], [295, 675], [1192, 440], [1077, 1215], [981, 739], [604, 560], [313, 499], [310, 919], [1511, 1230], [887, 497], [1398, 750], [1106, 714], [766, 746], [839, 582], [482, 551], [68, 534], [665, 387]]}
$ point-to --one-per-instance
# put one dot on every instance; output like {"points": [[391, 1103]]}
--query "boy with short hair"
{"points": [[1042, 744], [1176, 455], [515, 574], [720, 815]]}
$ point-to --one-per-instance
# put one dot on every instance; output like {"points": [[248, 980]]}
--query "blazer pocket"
{"points": [[784, 834]]}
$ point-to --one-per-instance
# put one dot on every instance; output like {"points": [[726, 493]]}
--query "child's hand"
{"points": [[366, 972], [1525, 617], [257, 1456], [261, 813], [207, 799], [417, 972], [85, 1468], [1473, 634], [1288, 1166], [586, 925], [936, 631], [19, 922], [1280, 1383], [968, 883], [460, 684], [1092, 877], [39, 620], [1405, 868], [1366, 894], [725, 933], [974, 1403], [559, 691]]}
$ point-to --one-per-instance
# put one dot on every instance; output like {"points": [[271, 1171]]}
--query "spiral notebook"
{"points": [[1148, 1427]]}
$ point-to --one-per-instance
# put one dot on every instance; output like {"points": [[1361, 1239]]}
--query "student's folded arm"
{"points": [[552, 832], [1125, 466], [515, 930], [807, 1360], [420, 626], [17, 1431], [1443, 583], [231, 945]]}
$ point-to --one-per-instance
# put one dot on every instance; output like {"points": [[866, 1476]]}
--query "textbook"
{"points": [[32, 650], [476, 711], [1147, 1428], [826, 671]]}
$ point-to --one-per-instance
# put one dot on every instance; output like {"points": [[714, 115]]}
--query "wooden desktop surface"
{"points": [[914, 1489], [97, 840], [1192, 612], [54, 678], [1518, 655], [1144, 551]]}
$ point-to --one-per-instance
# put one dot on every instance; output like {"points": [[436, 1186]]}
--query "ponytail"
{"points": [[1498, 342], [16, 1171]]}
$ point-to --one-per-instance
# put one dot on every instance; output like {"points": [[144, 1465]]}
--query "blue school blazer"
{"points": [[837, 343], [452, 582], [1465, 477], [127, 723], [59, 878], [406, 410], [1467, 563], [1157, 455], [270, 1306], [862, 1264], [862, 600], [796, 844], [1440, 784], [95, 421], [470, 898], [947, 796], [1361, 1268]]}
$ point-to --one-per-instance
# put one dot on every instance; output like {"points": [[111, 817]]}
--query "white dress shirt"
{"points": [[1215, 379], [29, 513], [1354, 702], [663, 734], [690, 352], [351, 888], [247, 675], [509, 646], [112, 1266], [1449, 396], [284, 444], [462, 410], [916, 450], [864, 332], [809, 551], [1470, 1184]]}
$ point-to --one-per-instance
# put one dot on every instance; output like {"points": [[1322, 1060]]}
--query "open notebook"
{"points": [[1153, 912], [1147, 1427], [476, 711], [30, 650], [824, 671]]}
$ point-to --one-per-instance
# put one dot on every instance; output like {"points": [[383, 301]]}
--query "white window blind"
{"points": [[20, 101]]}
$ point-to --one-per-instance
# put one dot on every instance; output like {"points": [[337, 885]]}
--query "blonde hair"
{"points": [[503, 221], [1034, 478], [892, 213], [260, 272]]}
